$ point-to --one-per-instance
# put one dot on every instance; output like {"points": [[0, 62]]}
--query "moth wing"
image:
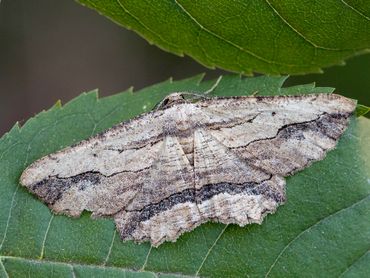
{"points": [[178, 197], [230, 189], [165, 205], [279, 135], [100, 174]]}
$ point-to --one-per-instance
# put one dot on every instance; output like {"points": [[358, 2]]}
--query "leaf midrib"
{"points": [[72, 265]]}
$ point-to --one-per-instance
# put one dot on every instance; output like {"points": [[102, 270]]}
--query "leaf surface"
{"points": [[266, 36], [322, 230]]}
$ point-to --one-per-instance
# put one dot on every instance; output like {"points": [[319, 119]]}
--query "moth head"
{"points": [[170, 100]]}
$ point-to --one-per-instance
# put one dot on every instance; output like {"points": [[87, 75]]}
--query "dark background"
{"points": [[53, 49]]}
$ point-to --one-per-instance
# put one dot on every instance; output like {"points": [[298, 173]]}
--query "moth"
{"points": [[165, 172]]}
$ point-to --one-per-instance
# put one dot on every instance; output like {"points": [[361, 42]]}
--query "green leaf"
{"points": [[362, 110], [269, 36], [322, 230]]}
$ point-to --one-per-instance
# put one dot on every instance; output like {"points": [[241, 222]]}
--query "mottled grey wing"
{"points": [[229, 188], [101, 174], [245, 146], [178, 196], [165, 205], [279, 135], [234, 183], [220, 159]]}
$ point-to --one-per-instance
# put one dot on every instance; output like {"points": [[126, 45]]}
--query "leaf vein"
{"points": [[69, 264], [355, 10], [45, 237], [210, 250], [3, 268], [142, 24], [242, 49], [295, 30], [354, 262], [73, 271], [96, 124], [9, 217], [309, 228], [110, 249], [146, 258]]}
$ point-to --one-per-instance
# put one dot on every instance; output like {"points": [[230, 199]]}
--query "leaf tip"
{"points": [[362, 110], [130, 90], [58, 104]]}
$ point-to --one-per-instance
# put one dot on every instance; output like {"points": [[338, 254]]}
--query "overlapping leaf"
{"points": [[267, 36]]}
